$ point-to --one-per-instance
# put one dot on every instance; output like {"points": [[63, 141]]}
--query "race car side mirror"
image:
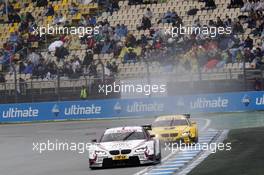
{"points": [[94, 140], [147, 127], [188, 116], [152, 136]]}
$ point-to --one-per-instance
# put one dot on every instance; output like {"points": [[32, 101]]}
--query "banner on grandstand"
{"points": [[204, 103]]}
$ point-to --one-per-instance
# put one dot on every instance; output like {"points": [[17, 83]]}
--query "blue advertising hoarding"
{"points": [[88, 109]]}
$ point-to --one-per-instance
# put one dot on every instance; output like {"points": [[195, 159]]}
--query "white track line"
{"points": [[204, 155], [148, 168], [208, 122]]}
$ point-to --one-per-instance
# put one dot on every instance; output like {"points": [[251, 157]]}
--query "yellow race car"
{"points": [[175, 128]]}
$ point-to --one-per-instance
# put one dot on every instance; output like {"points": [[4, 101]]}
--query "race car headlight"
{"points": [[141, 149], [99, 152], [186, 133]]}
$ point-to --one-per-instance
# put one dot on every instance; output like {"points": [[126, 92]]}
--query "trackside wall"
{"points": [[149, 106]]}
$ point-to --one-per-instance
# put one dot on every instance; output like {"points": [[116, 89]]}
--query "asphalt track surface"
{"points": [[18, 157]]}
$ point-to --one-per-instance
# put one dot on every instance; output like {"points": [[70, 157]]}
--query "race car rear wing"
{"points": [[147, 127]]}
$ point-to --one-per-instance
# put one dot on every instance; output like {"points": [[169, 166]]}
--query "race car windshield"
{"points": [[164, 123], [123, 136]]}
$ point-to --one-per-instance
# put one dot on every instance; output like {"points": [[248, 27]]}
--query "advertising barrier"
{"points": [[89, 109]]}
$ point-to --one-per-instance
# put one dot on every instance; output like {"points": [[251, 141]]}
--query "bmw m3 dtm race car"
{"points": [[125, 145], [175, 128]]}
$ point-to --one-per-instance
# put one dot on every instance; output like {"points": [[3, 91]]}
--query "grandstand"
{"points": [[132, 44]]}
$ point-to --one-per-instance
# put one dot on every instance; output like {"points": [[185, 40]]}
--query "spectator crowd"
{"points": [[188, 51]]}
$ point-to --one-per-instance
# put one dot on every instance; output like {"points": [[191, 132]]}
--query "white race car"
{"points": [[131, 145]]}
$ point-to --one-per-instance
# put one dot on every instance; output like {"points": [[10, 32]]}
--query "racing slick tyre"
{"points": [[158, 159], [195, 140], [94, 168]]}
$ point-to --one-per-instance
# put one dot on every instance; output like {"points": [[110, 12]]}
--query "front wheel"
{"points": [[94, 168], [195, 140]]}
